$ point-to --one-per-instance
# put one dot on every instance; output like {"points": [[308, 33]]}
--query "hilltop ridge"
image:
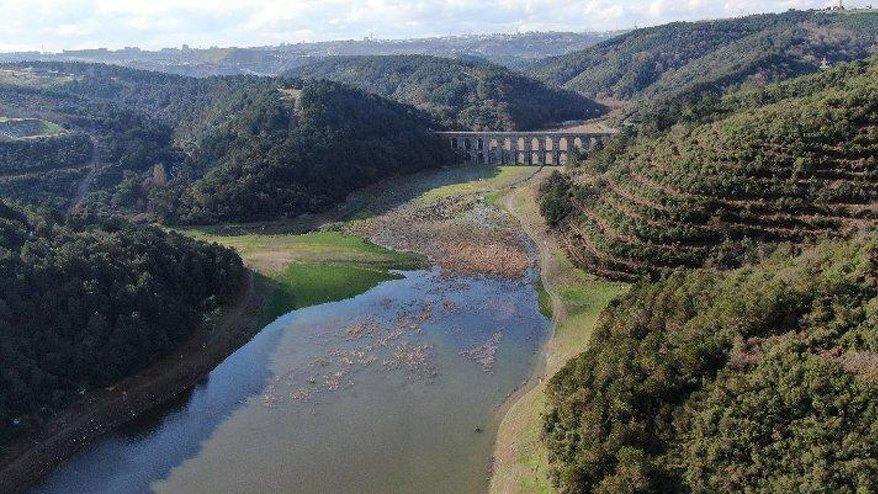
{"points": [[664, 72], [459, 94], [185, 149]]}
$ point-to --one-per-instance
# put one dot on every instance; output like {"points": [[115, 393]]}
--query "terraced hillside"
{"points": [[761, 379], [44, 168], [790, 162], [459, 94], [667, 70]]}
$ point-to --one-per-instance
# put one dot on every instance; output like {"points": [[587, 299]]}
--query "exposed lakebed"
{"points": [[384, 392]]}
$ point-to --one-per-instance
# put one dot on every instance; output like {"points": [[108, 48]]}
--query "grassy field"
{"points": [[575, 299], [545, 300], [482, 179], [28, 77], [28, 128], [313, 268]]}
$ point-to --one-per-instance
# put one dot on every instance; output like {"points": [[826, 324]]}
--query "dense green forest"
{"points": [[184, 149], [459, 94], [666, 71], [86, 301], [761, 379], [272, 161], [789, 162]]}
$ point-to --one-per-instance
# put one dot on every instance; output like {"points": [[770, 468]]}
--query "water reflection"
{"points": [[380, 393]]}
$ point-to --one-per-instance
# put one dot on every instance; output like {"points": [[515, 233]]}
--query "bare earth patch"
{"points": [[459, 230]]}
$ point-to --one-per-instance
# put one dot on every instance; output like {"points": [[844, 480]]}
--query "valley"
{"points": [[636, 261], [316, 269]]}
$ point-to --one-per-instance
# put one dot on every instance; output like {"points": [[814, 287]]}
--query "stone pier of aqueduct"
{"points": [[521, 148]]}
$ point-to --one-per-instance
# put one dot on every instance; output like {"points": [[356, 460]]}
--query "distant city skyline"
{"points": [[52, 25]]}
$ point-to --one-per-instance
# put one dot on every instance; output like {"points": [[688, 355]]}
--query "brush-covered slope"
{"points": [[763, 379], [213, 149], [85, 302], [663, 70], [459, 94], [790, 162]]}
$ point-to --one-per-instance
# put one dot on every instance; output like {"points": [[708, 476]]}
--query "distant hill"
{"points": [[459, 94], [789, 162], [512, 50], [201, 149], [666, 70]]}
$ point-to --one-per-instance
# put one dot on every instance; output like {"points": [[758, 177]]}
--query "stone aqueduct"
{"points": [[522, 148]]}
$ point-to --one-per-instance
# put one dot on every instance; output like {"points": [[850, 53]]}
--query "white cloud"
{"points": [[58, 24]]}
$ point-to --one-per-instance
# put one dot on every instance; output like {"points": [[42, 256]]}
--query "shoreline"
{"points": [[519, 462], [101, 411], [545, 258]]}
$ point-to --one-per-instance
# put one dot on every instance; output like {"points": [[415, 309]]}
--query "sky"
{"points": [[53, 25]]}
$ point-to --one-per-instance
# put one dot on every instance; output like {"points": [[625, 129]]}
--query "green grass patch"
{"points": [[545, 301], [22, 128], [33, 78], [584, 304], [304, 285], [483, 179], [313, 268], [493, 198], [266, 252]]}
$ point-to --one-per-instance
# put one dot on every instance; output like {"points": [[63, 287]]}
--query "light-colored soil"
{"points": [[455, 225], [520, 460]]}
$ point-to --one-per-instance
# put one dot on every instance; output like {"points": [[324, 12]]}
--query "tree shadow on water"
{"points": [[147, 449]]}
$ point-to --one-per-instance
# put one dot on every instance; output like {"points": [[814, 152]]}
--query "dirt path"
{"points": [[85, 185], [520, 462], [546, 244], [102, 410], [507, 474]]}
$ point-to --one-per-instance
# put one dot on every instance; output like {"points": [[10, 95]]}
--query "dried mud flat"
{"points": [[462, 233]]}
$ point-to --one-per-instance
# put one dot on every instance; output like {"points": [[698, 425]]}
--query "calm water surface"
{"points": [[381, 393]]}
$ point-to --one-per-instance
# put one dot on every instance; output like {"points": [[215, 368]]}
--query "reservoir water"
{"points": [[394, 391]]}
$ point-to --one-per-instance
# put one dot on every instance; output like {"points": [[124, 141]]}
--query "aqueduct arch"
{"points": [[528, 148]]}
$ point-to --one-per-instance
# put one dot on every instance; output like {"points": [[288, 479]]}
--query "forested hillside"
{"points": [[761, 379], [665, 71], [85, 302], [790, 162], [459, 94], [270, 161], [160, 144]]}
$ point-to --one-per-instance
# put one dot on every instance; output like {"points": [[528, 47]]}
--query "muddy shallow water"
{"points": [[382, 393]]}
